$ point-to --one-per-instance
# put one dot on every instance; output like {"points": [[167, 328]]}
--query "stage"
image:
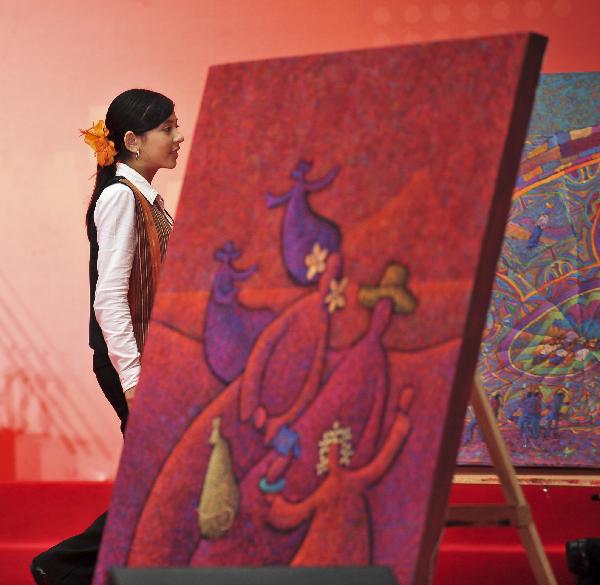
{"points": [[37, 515]]}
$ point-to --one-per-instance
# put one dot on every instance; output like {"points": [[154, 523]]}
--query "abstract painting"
{"points": [[317, 325], [541, 349]]}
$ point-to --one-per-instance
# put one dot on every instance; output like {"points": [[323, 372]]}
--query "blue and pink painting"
{"points": [[540, 357]]}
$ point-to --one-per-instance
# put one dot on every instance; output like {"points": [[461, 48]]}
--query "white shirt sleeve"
{"points": [[114, 217]]}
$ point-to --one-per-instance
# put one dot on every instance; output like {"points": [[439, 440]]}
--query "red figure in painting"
{"points": [[362, 380], [338, 507], [289, 355], [357, 392], [296, 338]]}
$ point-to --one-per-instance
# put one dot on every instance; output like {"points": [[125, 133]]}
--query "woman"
{"points": [[128, 229]]}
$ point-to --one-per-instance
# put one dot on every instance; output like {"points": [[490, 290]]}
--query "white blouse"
{"points": [[114, 217]]}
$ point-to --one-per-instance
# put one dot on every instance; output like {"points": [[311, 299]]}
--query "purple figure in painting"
{"points": [[474, 424], [538, 230], [305, 233], [471, 425], [527, 422], [230, 328], [537, 414], [495, 403], [554, 415]]}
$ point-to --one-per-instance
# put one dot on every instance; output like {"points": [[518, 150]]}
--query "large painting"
{"points": [[319, 316], [541, 349]]}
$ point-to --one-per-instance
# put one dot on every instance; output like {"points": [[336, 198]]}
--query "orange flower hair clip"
{"points": [[104, 149]]}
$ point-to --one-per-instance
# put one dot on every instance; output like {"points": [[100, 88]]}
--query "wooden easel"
{"points": [[516, 511]]}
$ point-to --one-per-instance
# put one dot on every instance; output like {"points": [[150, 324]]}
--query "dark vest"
{"points": [[162, 228]]}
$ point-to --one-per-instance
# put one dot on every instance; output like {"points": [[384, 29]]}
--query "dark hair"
{"points": [[138, 110]]}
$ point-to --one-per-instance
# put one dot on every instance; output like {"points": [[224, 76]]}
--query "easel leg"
{"points": [[512, 490]]}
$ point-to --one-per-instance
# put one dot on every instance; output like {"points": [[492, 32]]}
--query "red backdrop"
{"points": [[61, 64]]}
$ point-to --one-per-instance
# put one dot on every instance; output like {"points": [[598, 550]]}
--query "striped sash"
{"points": [[153, 228]]}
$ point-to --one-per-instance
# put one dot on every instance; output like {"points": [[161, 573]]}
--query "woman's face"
{"points": [[160, 146]]}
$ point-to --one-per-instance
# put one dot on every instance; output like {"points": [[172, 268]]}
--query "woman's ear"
{"points": [[132, 142]]}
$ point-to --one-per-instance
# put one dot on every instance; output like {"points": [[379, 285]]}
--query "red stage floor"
{"points": [[36, 515]]}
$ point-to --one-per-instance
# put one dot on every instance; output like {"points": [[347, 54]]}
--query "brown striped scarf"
{"points": [[153, 228]]}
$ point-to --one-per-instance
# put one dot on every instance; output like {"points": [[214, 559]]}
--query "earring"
{"points": [[137, 154]]}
